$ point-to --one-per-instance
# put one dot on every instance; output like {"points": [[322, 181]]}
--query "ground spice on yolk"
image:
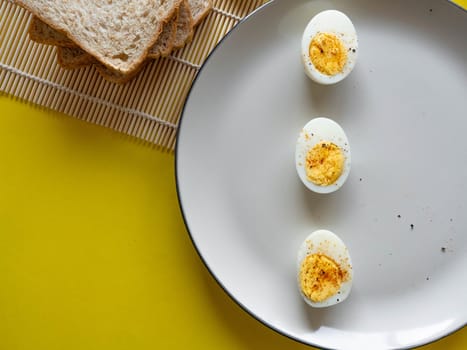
{"points": [[324, 163], [320, 277], [328, 54]]}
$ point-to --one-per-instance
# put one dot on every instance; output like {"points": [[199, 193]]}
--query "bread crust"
{"points": [[117, 77], [73, 60], [198, 16], [53, 37], [168, 35], [185, 26]]}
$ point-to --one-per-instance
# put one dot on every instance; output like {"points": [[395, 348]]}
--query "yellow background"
{"points": [[93, 249], [462, 3]]}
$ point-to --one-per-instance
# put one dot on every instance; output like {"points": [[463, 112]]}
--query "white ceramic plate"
{"points": [[404, 109]]}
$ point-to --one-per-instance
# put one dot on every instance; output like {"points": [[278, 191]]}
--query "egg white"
{"points": [[337, 23], [316, 131], [327, 243]]}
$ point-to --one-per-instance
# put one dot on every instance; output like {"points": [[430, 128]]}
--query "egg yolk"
{"points": [[320, 277], [324, 163], [328, 54]]}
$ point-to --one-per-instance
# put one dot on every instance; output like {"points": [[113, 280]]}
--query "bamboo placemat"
{"points": [[148, 107]]}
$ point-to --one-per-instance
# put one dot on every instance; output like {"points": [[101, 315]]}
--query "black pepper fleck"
{"points": [[411, 226], [353, 50], [443, 249], [428, 278], [450, 219], [431, 10], [361, 179], [337, 299], [399, 216]]}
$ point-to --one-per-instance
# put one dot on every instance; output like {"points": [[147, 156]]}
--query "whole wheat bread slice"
{"points": [[119, 33], [73, 57], [165, 43], [185, 26], [199, 9], [42, 33], [184, 32]]}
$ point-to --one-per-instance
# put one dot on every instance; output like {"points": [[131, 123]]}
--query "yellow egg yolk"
{"points": [[327, 53], [324, 163], [320, 277]]}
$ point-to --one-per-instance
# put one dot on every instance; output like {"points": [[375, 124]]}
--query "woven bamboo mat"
{"points": [[148, 107]]}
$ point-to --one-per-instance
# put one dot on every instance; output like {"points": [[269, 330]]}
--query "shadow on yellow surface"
{"points": [[93, 250]]}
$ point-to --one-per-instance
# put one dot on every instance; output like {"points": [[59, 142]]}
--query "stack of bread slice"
{"points": [[118, 37]]}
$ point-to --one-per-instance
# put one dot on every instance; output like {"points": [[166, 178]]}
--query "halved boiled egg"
{"points": [[324, 269], [329, 47], [322, 155]]}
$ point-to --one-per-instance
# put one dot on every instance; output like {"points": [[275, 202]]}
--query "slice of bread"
{"points": [[200, 9], [164, 44], [185, 26], [119, 33], [73, 57], [44, 34]]}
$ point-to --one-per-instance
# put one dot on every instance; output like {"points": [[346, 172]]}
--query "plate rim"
{"points": [[187, 226]]}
